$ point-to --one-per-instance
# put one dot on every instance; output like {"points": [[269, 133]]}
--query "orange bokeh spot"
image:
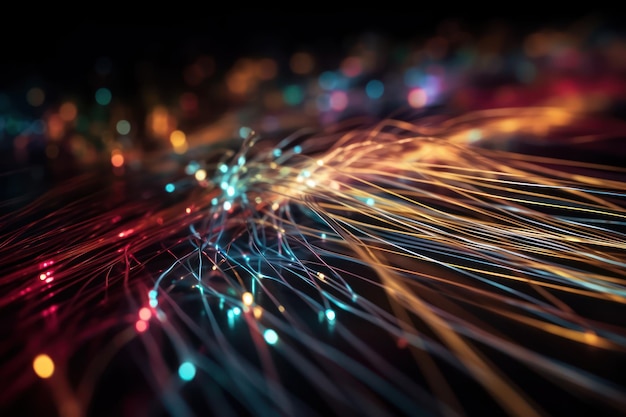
{"points": [[117, 160], [68, 111], [43, 366], [145, 314]]}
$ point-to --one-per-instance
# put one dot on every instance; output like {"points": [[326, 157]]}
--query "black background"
{"points": [[61, 46]]}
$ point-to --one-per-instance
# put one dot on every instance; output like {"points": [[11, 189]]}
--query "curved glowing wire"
{"points": [[367, 269]]}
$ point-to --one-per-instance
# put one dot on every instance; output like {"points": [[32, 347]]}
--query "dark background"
{"points": [[63, 46]]}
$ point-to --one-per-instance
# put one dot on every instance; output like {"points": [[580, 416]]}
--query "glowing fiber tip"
{"points": [[43, 366], [270, 336], [186, 371]]}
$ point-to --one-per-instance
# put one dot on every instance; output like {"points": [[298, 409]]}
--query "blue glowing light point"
{"points": [[244, 132], [192, 167], [103, 96], [270, 336], [330, 315], [328, 80], [374, 89], [186, 371], [170, 188]]}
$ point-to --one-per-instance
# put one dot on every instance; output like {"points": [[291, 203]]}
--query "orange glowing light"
{"points": [[238, 83], [160, 122], [55, 127], [117, 160], [247, 298], [509, 125], [145, 314], [178, 138], [181, 149], [68, 111], [591, 338], [43, 366]]}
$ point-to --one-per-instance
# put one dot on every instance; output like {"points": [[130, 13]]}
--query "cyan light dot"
{"points": [[103, 96], [374, 89], [244, 132], [328, 80], [186, 371], [293, 95], [170, 188], [192, 167], [270, 336]]}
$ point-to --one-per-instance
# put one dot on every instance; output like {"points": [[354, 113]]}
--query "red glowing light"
{"points": [[141, 326]]}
